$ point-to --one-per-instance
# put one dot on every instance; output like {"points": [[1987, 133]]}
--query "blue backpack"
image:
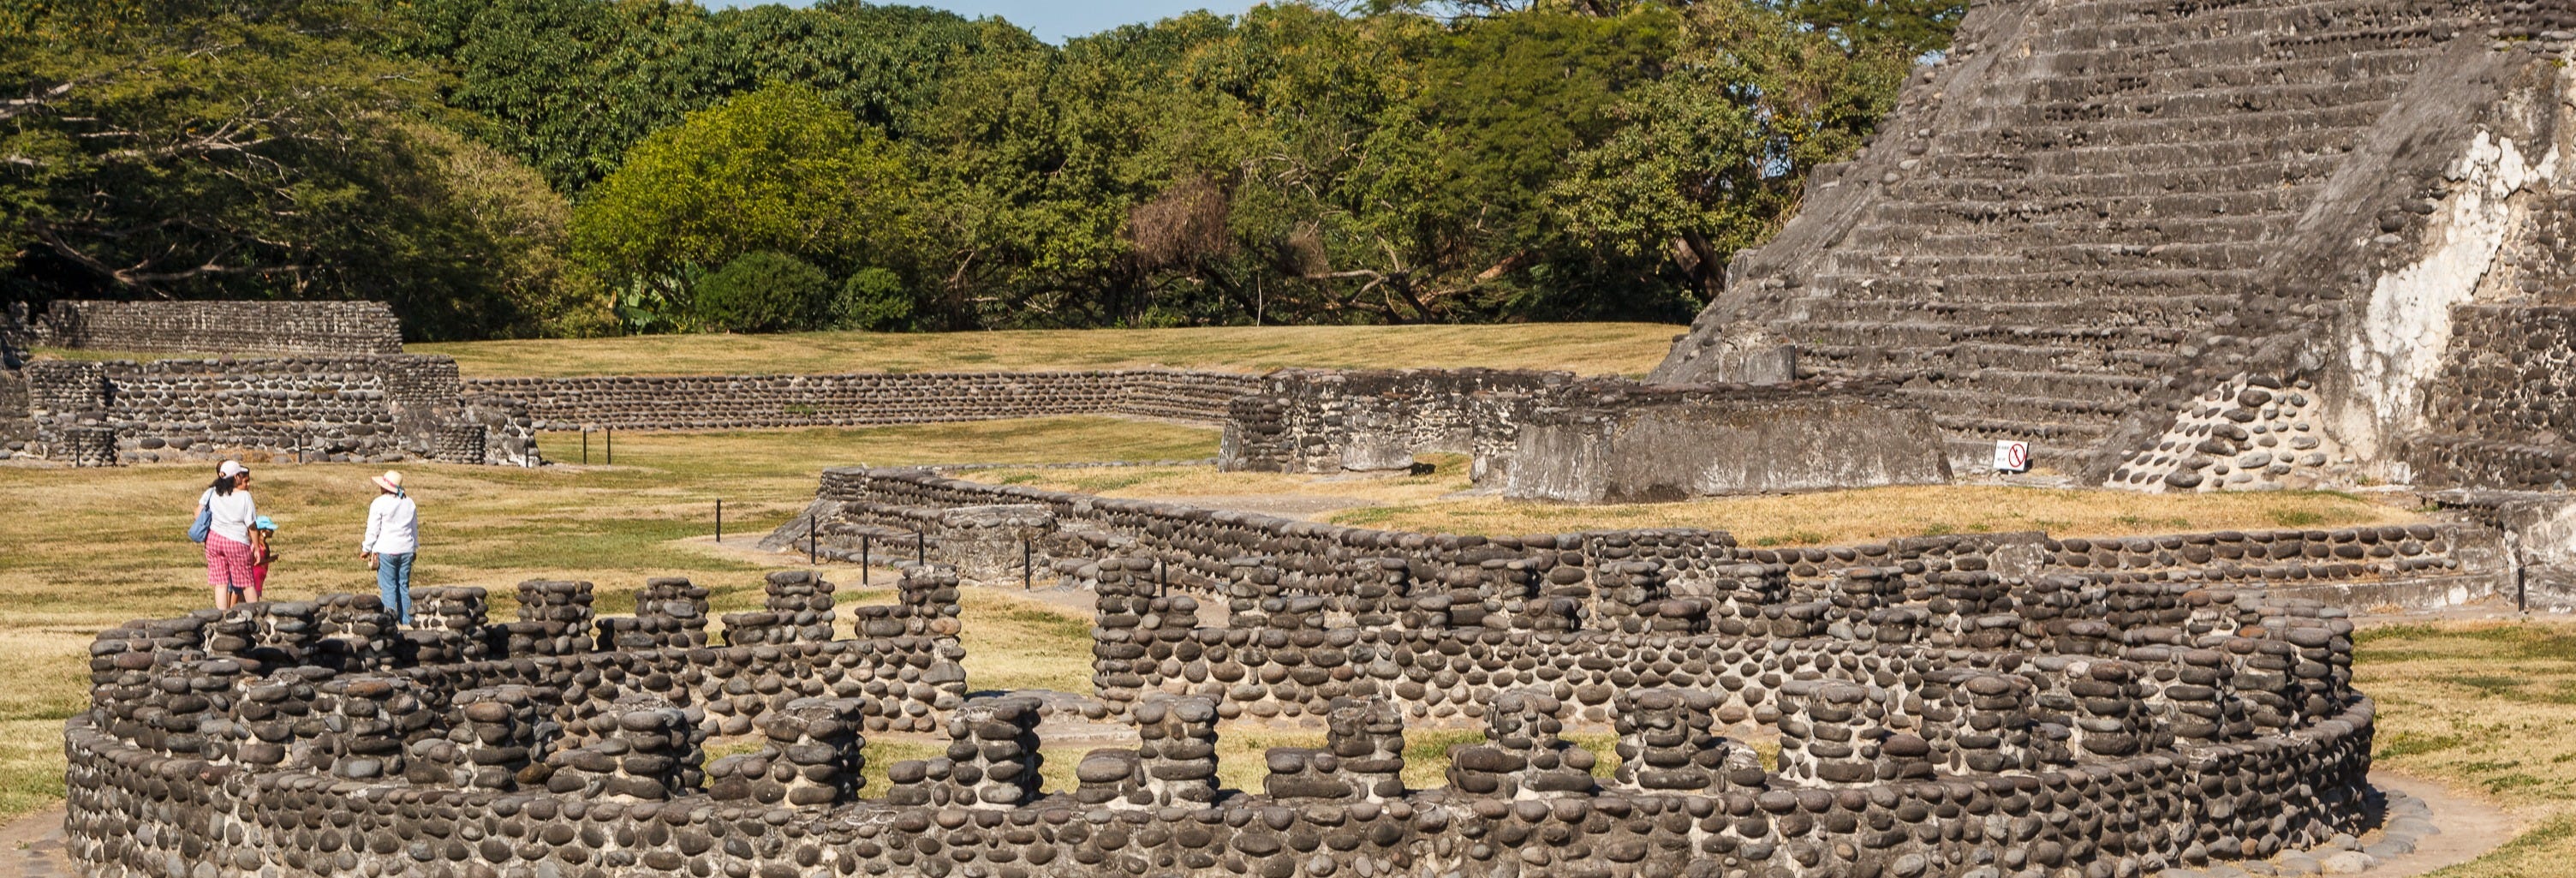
{"points": [[205, 520]]}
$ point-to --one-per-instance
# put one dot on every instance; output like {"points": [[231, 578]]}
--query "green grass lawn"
{"points": [[1588, 348]]}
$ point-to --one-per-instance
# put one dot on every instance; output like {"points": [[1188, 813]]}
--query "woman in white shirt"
{"points": [[230, 511], [393, 535]]}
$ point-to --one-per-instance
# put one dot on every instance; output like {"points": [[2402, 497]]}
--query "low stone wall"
{"points": [[245, 327], [1642, 448], [1551, 436], [376, 408], [727, 402], [1213, 553]]}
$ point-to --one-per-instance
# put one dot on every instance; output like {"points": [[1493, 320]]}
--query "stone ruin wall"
{"points": [[1211, 553], [370, 408], [726, 402], [225, 327], [2106, 730], [1552, 436], [2096, 225]]}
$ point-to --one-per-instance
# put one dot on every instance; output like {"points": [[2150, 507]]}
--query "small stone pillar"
{"points": [[993, 752], [1177, 750], [1821, 735], [671, 612], [367, 720], [448, 625], [1523, 756], [1666, 744], [2202, 696], [1742, 591], [813, 756], [646, 751], [1993, 732], [1123, 597], [2111, 720], [494, 734], [554, 619], [1367, 737], [355, 633]]}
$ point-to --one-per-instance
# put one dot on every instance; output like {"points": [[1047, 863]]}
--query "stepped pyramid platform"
{"points": [[2200, 244]]}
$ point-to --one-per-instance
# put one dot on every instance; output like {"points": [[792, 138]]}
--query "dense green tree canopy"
{"points": [[566, 166]]}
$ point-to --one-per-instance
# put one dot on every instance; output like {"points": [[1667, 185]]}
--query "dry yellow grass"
{"points": [[1425, 503], [2488, 708], [1590, 348]]}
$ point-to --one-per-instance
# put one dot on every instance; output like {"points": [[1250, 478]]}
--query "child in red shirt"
{"points": [[261, 532]]}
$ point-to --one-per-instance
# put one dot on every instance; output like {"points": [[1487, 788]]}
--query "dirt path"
{"points": [[2470, 827], [32, 846]]}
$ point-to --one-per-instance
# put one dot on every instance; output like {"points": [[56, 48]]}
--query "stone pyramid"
{"points": [[2201, 244]]}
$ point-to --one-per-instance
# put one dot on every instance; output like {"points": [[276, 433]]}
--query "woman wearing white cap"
{"points": [[229, 513], [393, 535]]}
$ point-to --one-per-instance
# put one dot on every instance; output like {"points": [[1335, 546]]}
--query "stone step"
{"points": [[2082, 160], [2238, 15], [2390, 62], [1952, 233], [2033, 286], [1894, 220], [1919, 333], [2181, 312], [1942, 262], [2263, 178], [1842, 350], [2350, 118]]}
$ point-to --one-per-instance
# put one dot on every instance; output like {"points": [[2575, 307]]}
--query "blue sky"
{"points": [[1054, 21]]}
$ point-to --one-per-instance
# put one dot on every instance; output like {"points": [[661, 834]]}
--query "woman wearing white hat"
{"points": [[393, 536], [229, 511]]}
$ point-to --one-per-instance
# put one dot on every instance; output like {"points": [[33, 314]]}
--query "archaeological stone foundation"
{"points": [[1947, 706]]}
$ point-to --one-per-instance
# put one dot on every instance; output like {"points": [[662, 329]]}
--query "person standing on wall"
{"points": [[393, 537], [229, 511]]}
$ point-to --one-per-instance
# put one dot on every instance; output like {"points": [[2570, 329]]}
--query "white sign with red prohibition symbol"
{"points": [[2011, 456]]}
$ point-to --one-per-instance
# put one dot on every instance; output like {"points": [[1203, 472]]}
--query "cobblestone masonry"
{"points": [[2094, 221], [712, 402], [374, 408], [2116, 730], [235, 327]]}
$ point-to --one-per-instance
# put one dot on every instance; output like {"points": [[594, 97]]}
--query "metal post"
{"points": [[813, 539], [1162, 584], [719, 520], [1026, 577], [866, 549], [612, 445], [919, 554], [585, 446]]}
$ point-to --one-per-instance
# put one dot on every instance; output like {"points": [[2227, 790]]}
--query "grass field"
{"points": [[2487, 708], [1589, 348]]}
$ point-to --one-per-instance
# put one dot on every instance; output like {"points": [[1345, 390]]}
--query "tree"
{"points": [[248, 149], [763, 292], [780, 169], [1713, 158]]}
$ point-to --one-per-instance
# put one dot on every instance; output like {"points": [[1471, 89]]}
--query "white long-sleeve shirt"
{"points": [[393, 526]]}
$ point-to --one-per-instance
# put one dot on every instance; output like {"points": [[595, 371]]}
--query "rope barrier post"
{"points": [[585, 446], [1162, 584], [919, 555], [1027, 578], [813, 539], [612, 445], [866, 557], [719, 521]]}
